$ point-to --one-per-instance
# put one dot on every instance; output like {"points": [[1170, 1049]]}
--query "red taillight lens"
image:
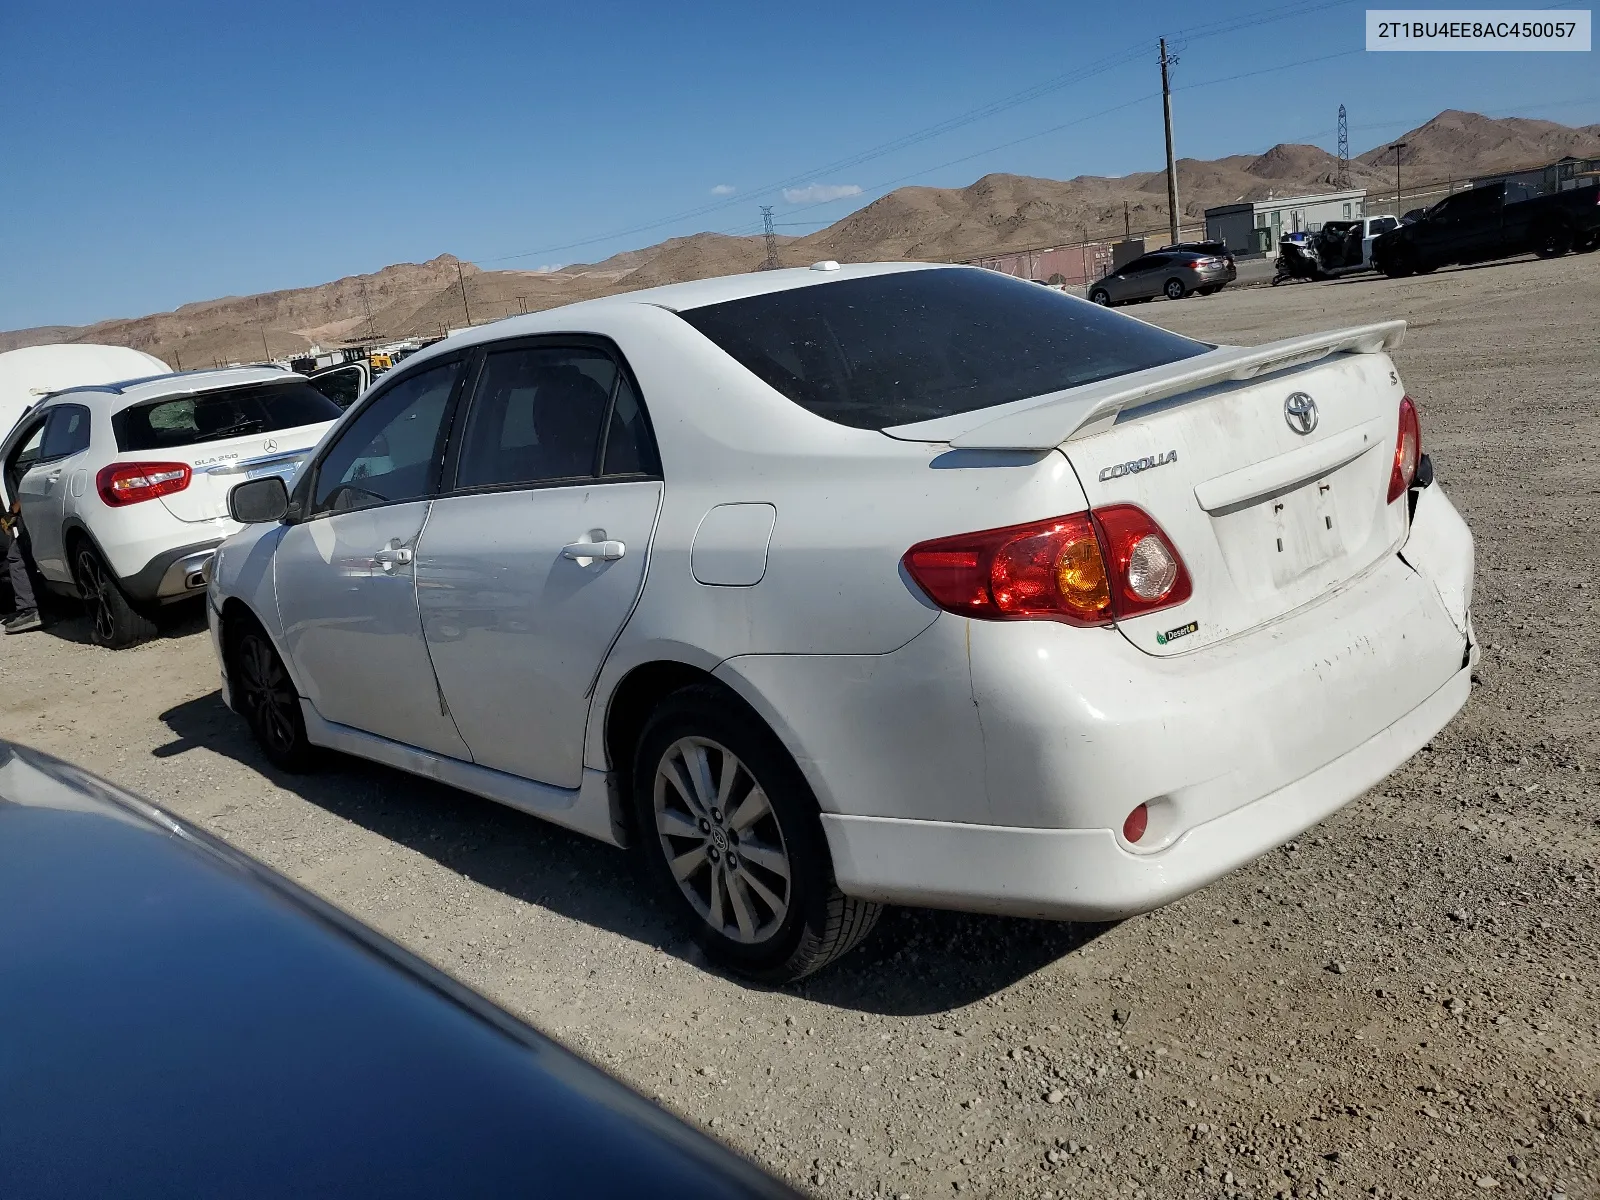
{"points": [[1137, 823], [131, 482], [1407, 450], [1146, 567], [1046, 569], [1084, 569]]}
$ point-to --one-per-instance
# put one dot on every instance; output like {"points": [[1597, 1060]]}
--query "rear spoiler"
{"points": [[1047, 421]]}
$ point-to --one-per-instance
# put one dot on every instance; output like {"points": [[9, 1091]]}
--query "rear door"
{"points": [[1274, 492], [44, 487], [225, 436], [533, 560], [1137, 280], [345, 584]]}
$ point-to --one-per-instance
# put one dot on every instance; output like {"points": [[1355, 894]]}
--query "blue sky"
{"points": [[158, 153]]}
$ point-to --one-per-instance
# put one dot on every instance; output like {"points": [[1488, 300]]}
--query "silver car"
{"points": [[1171, 273]]}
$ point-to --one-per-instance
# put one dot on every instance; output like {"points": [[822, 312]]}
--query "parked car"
{"points": [[885, 583], [196, 1025], [1170, 273], [124, 486], [1491, 221], [1216, 249]]}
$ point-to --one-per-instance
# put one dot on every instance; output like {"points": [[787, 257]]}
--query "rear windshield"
{"points": [[227, 413], [911, 346]]}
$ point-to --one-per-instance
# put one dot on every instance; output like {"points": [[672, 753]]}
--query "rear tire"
{"points": [[1209, 291], [1101, 297], [1175, 290], [1398, 264], [732, 837], [265, 695], [1553, 240], [114, 622]]}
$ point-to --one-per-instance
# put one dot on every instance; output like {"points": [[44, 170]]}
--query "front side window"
{"points": [[217, 415], [390, 452], [66, 432], [893, 349], [342, 386]]}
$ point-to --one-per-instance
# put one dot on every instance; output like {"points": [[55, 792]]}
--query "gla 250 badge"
{"points": [[1139, 464]]}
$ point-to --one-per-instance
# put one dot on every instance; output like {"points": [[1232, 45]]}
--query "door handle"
{"points": [[584, 553], [393, 556]]}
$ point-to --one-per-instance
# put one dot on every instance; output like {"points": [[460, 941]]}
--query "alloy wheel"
{"points": [[266, 692], [97, 594], [721, 840]]}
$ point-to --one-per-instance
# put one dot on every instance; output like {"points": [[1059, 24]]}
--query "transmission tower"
{"points": [[1344, 149], [771, 238]]}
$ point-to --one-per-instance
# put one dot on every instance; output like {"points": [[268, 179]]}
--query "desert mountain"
{"points": [[997, 213]]}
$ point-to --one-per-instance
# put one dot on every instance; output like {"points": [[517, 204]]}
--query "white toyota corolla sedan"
{"points": [[838, 587]]}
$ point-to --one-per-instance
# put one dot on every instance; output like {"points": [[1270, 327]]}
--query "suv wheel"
{"points": [[731, 834], [114, 622], [265, 695], [1175, 289], [1101, 297]]}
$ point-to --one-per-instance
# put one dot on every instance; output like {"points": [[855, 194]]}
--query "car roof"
{"points": [[198, 1025], [674, 297], [121, 394]]}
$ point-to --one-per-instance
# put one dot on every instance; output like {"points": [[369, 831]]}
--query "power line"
{"points": [[1278, 12]]}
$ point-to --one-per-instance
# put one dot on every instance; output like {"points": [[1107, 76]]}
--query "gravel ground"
{"points": [[1406, 1002]]}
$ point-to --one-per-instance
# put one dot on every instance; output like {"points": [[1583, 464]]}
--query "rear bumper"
{"points": [[174, 574], [989, 766], [1088, 874]]}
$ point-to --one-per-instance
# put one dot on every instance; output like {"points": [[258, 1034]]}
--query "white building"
{"points": [[1254, 226]]}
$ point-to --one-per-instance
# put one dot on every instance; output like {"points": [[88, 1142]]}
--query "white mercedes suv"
{"points": [[833, 587], [124, 486]]}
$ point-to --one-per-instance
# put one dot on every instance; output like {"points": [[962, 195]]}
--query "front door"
{"points": [[345, 572], [532, 562]]}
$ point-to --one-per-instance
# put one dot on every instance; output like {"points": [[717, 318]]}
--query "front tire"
{"points": [[1101, 297], [1175, 289], [265, 695], [113, 621], [731, 835]]}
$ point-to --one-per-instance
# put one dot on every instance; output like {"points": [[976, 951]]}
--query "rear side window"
{"points": [[66, 433], [911, 346], [226, 413], [537, 417]]}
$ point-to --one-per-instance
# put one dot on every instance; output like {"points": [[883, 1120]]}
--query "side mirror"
{"points": [[259, 501]]}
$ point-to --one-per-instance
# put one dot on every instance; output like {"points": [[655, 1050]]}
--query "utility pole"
{"points": [[1172, 163], [1127, 223], [1344, 149], [1397, 147], [462, 280], [771, 237], [366, 305], [261, 326]]}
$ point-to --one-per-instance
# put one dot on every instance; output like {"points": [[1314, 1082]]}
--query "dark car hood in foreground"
{"points": [[176, 1020]]}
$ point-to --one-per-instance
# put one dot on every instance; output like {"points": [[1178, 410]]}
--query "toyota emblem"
{"points": [[1300, 410], [270, 444]]}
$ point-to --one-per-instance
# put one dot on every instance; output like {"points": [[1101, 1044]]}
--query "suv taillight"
{"points": [[1407, 450], [131, 482], [1084, 569]]}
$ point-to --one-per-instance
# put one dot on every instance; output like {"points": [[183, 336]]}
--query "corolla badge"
{"points": [[1300, 410], [1138, 464]]}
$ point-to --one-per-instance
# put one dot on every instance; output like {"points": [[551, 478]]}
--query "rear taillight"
{"points": [[131, 482], [1146, 570], [1084, 569], [1407, 450]]}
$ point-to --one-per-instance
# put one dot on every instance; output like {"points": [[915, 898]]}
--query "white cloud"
{"points": [[724, 189], [818, 192], [548, 268]]}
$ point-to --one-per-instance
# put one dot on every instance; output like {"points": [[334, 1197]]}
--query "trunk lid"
{"points": [[1267, 518], [220, 465], [1268, 515]]}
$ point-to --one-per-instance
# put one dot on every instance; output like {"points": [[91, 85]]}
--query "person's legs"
{"points": [[26, 614]]}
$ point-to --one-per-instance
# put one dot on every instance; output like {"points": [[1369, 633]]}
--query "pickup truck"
{"points": [[1491, 221], [1345, 246]]}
